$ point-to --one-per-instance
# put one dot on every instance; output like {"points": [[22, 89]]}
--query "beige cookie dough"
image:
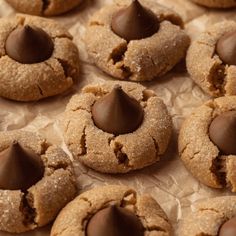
{"points": [[30, 82], [20, 212], [216, 3], [73, 219], [137, 60], [208, 216], [106, 152], [200, 156], [205, 66], [42, 7]]}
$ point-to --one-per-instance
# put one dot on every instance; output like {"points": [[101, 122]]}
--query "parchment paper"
{"points": [[168, 182]]}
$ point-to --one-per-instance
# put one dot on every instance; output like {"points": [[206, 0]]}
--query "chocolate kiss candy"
{"points": [[226, 48], [228, 228], [115, 221], [20, 168], [29, 44], [135, 22], [222, 132], [117, 113]]}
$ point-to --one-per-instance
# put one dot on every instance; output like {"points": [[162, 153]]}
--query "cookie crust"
{"points": [[208, 216], [45, 8], [20, 212], [200, 156], [205, 66], [106, 152], [73, 218], [137, 60], [30, 82], [216, 3]]}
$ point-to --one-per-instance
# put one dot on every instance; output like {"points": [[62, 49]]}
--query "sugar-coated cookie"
{"points": [[216, 3], [37, 58], [36, 181], [116, 127], [207, 143], [213, 216], [136, 40]]}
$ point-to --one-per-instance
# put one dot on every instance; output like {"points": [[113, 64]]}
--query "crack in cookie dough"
{"points": [[111, 153]]}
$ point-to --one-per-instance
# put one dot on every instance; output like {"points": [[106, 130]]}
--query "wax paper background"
{"points": [[168, 182]]}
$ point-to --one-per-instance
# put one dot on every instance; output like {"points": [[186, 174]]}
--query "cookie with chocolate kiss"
{"points": [[135, 22], [36, 181], [211, 59], [207, 143], [115, 128], [29, 44], [115, 221], [20, 168], [112, 210], [39, 59], [212, 216], [117, 112], [126, 39]]}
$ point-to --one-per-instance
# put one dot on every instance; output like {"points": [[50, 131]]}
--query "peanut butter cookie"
{"points": [[42, 7], [36, 181], [136, 40], [37, 58], [112, 210], [116, 127], [211, 59]]}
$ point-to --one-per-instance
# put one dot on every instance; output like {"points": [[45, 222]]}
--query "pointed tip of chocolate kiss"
{"points": [[115, 221], [29, 44], [117, 113], [135, 22], [20, 168], [226, 48]]}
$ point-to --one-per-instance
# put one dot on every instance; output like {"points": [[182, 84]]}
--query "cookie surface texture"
{"points": [[23, 211], [206, 67], [137, 60], [109, 153], [73, 219]]}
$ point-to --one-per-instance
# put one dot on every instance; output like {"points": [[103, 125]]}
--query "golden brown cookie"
{"points": [[30, 81], [209, 217], [204, 145], [21, 211], [42, 7], [206, 67], [112, 153], [75, 217], [216, 3], [142, 59]]}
